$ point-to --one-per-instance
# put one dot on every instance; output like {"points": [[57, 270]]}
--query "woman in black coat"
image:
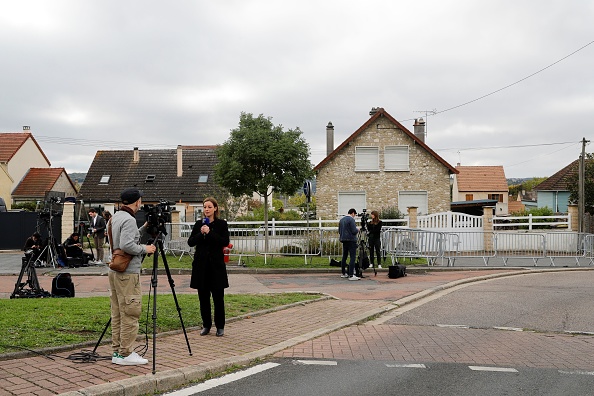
{"points": [[209, 272]]}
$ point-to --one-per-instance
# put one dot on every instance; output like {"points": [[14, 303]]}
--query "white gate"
{"points": [[452, 222]]}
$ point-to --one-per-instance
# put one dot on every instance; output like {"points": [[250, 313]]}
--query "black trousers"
{"points": [[218, 299], [375, 244]]}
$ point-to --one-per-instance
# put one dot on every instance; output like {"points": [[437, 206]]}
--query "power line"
{"points": [[510, 85], [503, 147]]}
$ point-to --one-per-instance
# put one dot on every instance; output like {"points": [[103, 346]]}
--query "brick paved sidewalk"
{"points": [[244, 341]]}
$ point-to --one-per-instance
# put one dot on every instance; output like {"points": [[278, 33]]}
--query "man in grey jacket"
{"points": [[125, 291], [347, 230]]}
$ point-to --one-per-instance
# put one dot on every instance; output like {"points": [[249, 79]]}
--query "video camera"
{"points": [[364, 218], [156, 217]]}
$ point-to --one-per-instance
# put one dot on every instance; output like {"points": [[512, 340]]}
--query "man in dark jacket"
{"points": [[97, 231], [347, 230]]}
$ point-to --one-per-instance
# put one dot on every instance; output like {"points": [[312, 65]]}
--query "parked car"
{"points": [[2, 205]]}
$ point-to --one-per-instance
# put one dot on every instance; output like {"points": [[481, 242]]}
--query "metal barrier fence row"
{"points": [[401, 243], [452, 246]]}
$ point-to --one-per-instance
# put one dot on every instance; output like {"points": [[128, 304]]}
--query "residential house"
{"points": [[554, 191], [382, 164], [18, 153], [478, 183], [39, 182], [183, 176]]}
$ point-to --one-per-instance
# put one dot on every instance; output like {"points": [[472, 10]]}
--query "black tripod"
{"points": [[158, 242], [362, 262], [35, 290]]}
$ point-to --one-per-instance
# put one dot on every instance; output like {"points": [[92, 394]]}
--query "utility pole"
{"points": [[581, 184]]}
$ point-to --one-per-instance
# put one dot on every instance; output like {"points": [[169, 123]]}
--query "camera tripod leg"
{"points": [[160, 250]]}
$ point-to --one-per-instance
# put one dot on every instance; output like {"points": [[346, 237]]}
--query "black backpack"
{"points": [[62, 285], [396, 271]]}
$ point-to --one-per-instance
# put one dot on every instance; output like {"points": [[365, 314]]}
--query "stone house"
{"points": [[382, 164], [479, 183]]}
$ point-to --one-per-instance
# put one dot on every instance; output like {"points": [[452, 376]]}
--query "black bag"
{"points": [[396, 271], [62, 285]]}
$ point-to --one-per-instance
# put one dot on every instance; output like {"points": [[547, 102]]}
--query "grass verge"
{"points": [[46, 322]]}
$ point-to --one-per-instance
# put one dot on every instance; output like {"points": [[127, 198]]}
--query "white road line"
{"points": [[577, 372], [508, 328], [213, 383], [409, 365], [318, 362], [498, 369], [453, 326]]}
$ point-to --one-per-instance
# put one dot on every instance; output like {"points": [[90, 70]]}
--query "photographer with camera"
{"points": [[97, 230], [126, 294], [209, 271], [374, 228], [347, 230]]}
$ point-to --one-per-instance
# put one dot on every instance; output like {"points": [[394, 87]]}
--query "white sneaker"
{"points": [[117, 358], [132, 359], [354, 278], [344, 276], [379, 266]]}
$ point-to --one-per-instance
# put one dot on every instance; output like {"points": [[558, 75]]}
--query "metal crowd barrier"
{"points": [[401, 243]]}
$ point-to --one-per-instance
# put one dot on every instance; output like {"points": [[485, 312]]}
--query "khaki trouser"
{"points": [[126, 306]]}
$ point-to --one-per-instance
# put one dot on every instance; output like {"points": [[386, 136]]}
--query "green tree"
{"points": [[573, 184], [262, 157]]}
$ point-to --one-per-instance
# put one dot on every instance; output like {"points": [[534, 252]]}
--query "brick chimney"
{"points": [[419, 128], [329, 138], [136, 158], [180, 170]]}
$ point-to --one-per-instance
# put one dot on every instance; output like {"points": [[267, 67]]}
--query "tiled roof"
{"points": [[123, 172], [559, 181], [382, 113], [481, 178], [11, 142], [38, 181]]}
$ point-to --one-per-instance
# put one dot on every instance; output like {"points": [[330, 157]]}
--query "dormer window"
{"points": [[105, 179], [202, 178], [149, 178]]}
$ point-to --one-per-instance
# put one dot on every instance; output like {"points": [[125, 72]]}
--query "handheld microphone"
{"points": [[205, 221]]}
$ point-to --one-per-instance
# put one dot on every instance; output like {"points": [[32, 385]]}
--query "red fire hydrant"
{"points": [[226, 251]]}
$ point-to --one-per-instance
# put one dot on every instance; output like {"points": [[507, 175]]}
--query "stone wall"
{"points": [[338, 175]]}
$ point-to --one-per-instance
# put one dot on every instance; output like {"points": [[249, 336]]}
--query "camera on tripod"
{"points": [[364, 218], [156, 217]]}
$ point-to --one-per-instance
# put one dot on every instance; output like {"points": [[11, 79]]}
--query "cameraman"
{"points": [[33, 245], [126, 294], [374, 228], [347, 230]]}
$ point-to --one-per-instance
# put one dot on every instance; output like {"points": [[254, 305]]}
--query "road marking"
{"points": [[508, 328], [410, 365], [577, 372], [498, 369], [453, 326], [213, 383], [318, 362]]}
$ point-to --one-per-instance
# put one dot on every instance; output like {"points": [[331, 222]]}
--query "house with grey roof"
{"points": [[183, 176], [554, 191]]}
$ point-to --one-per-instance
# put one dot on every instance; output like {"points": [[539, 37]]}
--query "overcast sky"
{"points": [[100, 75]]}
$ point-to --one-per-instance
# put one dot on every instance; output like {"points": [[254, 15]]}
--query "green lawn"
{"points": [[43, 322]]}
